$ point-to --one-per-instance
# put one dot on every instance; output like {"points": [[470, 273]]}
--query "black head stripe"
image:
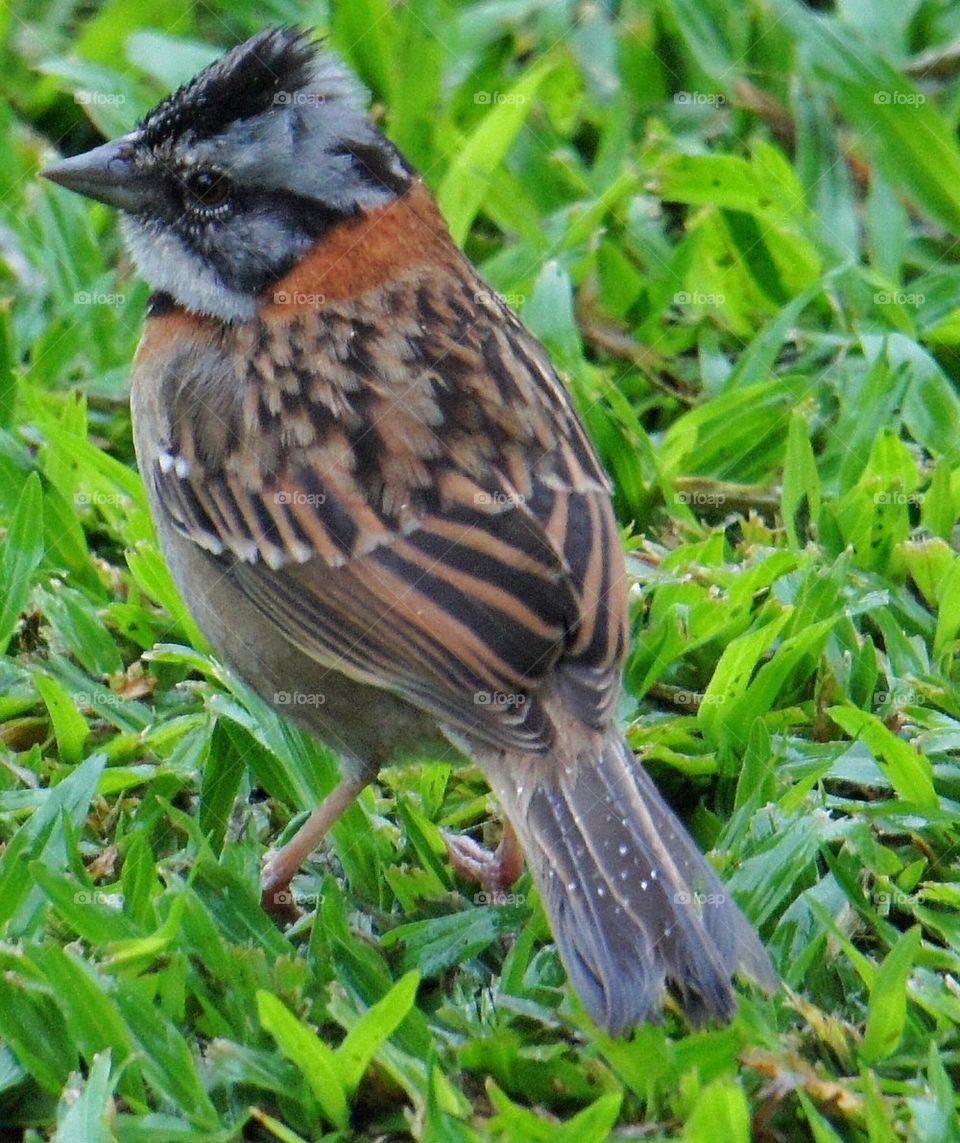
{"points": [[246, 82], [160, 303], [380, 166]]}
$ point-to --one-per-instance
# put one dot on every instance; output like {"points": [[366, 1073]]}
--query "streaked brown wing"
{"points": [[415, 504]]}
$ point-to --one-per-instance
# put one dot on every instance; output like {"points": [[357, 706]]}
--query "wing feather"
{"points": [[439, 526]]}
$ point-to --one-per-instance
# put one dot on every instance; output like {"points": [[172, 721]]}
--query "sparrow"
{"points": [[371, 486]]}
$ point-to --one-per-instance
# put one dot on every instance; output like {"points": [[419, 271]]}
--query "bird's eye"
{"points": [[206, 190]]}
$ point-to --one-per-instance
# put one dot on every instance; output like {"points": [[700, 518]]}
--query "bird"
{"points": [[372, 487]]}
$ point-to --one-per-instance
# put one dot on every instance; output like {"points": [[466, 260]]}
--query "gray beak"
{"points": [[108, 174]]}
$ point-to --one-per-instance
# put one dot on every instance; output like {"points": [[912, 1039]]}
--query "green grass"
{"points": [[733, 225]]}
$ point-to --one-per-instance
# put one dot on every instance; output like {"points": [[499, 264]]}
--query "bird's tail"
{"points": [[633, 904]]}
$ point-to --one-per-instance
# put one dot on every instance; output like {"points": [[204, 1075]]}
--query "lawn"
{"points": [[733, 225]]}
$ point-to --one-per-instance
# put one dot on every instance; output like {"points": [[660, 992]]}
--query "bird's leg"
{"points": [[496, 871], [281, 866]]}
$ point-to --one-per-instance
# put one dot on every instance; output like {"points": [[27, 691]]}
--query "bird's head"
{"points": [[229, 180]]}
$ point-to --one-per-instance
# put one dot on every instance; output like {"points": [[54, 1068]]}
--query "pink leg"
{"points": [[281, 866]]}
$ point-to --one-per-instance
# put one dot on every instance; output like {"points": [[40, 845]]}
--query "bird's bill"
{"points": [[107, 173]]}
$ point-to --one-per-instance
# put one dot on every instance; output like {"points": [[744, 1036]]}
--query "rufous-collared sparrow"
{"points": [[370, 484]]}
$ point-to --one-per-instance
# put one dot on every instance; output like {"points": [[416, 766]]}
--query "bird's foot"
{"points": [[496, 871]]}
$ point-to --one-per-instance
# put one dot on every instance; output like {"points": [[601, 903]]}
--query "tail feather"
{"points": [[633, 904]]}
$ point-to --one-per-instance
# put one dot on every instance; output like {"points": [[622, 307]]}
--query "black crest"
{"points": [[242, 84]]}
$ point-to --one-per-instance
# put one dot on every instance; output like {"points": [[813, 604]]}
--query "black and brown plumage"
{"points": [[370, 484]]}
